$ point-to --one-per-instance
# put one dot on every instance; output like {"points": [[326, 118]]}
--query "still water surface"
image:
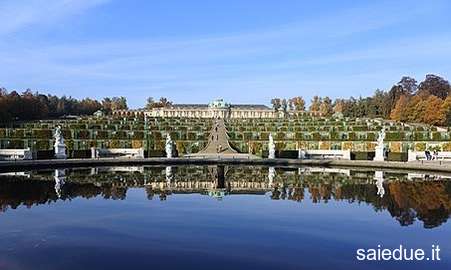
{"points": [[219, 218]]}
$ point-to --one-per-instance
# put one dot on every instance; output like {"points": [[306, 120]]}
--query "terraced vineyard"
{"points": [[245, 135], [358, 135], [189, 135]]}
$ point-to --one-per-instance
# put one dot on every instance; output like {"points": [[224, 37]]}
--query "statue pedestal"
{"points": [[379, 153], [60, 151], [272, 153]]}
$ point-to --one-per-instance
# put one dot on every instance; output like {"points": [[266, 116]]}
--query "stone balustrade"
{"points": [[117, 152], [421, 155], [324, 154], [11, 154]]}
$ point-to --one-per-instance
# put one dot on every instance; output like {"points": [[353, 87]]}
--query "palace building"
{"points": [[215, 109]]}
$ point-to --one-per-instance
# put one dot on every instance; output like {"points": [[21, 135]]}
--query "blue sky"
{"points": [[244, 51]]}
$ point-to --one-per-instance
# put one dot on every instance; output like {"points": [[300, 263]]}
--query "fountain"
{"points": [[60, 147], [271, 147], [168, 147], [380, 146]]}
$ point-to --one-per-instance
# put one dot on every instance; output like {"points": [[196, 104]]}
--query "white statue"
{"points": [[381, 137], [379, 176], [168, 147], [271, 147], [271, 175], [60, 147], [168, 174], [380, 146], [60, 176]]}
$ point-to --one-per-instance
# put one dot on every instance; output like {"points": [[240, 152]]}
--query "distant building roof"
{"points": [[251, 106], [189, 106], [233, 106]]}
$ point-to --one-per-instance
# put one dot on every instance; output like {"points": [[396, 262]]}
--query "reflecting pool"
{"points": [[220, 217]]}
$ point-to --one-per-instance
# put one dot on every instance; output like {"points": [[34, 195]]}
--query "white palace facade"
{"points": [[215, 109]]}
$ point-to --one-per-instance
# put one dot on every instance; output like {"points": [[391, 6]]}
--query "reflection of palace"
{"points": [[406, 201], [217, 108]]}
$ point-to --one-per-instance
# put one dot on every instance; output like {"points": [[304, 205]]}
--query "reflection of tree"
{"points": [[150, 192], [406, 217], [429, 202], [406, 201], [14, 193]]}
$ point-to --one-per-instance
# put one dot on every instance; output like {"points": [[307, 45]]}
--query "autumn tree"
{"points": [[276, 104], [339, 105], [398, 112], [408, 84], [434, 85], [414, 109], [326, 108], [31, 105], [315, 104], [163, 102], [446, 111], [284, 105], [119, 103], [298, 103], [433, 113]]}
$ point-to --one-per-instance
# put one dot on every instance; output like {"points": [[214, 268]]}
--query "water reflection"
{"points": [[168, 174], [407, 197], [379, 176], [60, 176], [271, 175]]}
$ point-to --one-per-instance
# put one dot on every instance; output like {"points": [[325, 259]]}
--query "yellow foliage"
{"points": [[395, 147], [347, 146], [137, 143], [324, 145]]}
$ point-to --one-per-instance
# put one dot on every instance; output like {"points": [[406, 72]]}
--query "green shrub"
{"points": [[436, 136], [82, 134], [280, 136], [43, 145], [393, 136], [371, 136], [247, 136], [191, 136], [17, 133], [42, 133]]}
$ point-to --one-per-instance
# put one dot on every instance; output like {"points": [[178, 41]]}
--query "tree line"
{"points": [[31, 105], [426, 102]]}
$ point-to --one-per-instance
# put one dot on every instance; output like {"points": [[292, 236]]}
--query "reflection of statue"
{"points": [[60, 147], [271, 175], [168, 147], [168, 174], [380, 146], [60, 176], [271, 147], [379, 176]]}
